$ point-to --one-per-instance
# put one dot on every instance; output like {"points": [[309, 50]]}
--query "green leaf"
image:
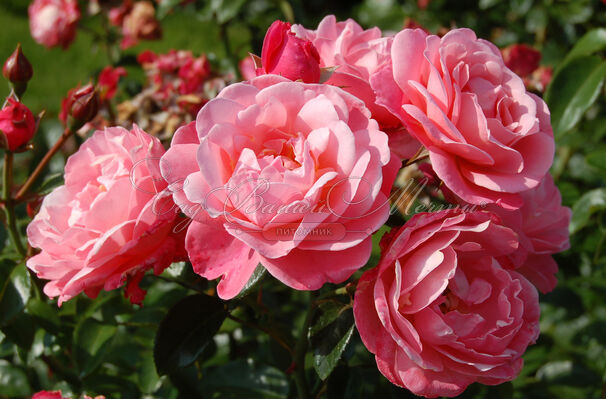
{"points": [[186, 330], [592, 42], [573, 90], [14, 293], [597, 159], [44, 314], [165, 7], [591, 202], [246, 379], [91, 339], [225, 10], [146, 373], [253, 282], [50, 183], [13, 381], [329, 336]]}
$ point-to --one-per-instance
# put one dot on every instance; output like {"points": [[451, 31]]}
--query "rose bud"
{"points": [[86, 104], [18, 70], [17, 67], [17, 124], [521, 59], [82, 103], [287, 55]]}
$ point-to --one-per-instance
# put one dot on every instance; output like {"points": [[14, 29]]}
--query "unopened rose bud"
{"points": [[17, 67], [18, 70], [288, 55], [86, 104], [17, 124]]}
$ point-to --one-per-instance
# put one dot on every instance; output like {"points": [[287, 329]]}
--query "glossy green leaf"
{"points": [[591, 202], [246, 379], [14, 293], [146, 373], [186, 330], [592, 42], [329, 336], [573, 90], [91, 339], [252, 282], [13, 381], [44, 314]]}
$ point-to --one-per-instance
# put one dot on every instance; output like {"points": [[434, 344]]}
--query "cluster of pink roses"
{"points": [[293, 170]]}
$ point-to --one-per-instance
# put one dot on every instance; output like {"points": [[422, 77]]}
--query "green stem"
{"points": [[11, 220], [301, 351]]}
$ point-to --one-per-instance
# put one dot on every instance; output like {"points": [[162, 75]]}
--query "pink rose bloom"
{"points": [[287, 55], [53, 22], [357, 54], [439, 312], [110, 222], [58, 395], [488, 139], [542, 228], [48, 395], [290, 175]]}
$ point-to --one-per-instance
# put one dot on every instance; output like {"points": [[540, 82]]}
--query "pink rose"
{"points": [[58, 395], [439, 312], [17, 125], [357, 54], [110, 222], [53, 22], [48, 395], [290, 175], [542, 228], [488, 139], [287, 55]]}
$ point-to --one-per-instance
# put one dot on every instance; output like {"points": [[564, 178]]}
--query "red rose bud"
{"points": [[17, 67], [17, 124], [521, 59], [288, 55], [18, 71], [86, 104]]}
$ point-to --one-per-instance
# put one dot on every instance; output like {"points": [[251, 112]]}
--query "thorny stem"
{"points": [[67, 133], [11, 220]]}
